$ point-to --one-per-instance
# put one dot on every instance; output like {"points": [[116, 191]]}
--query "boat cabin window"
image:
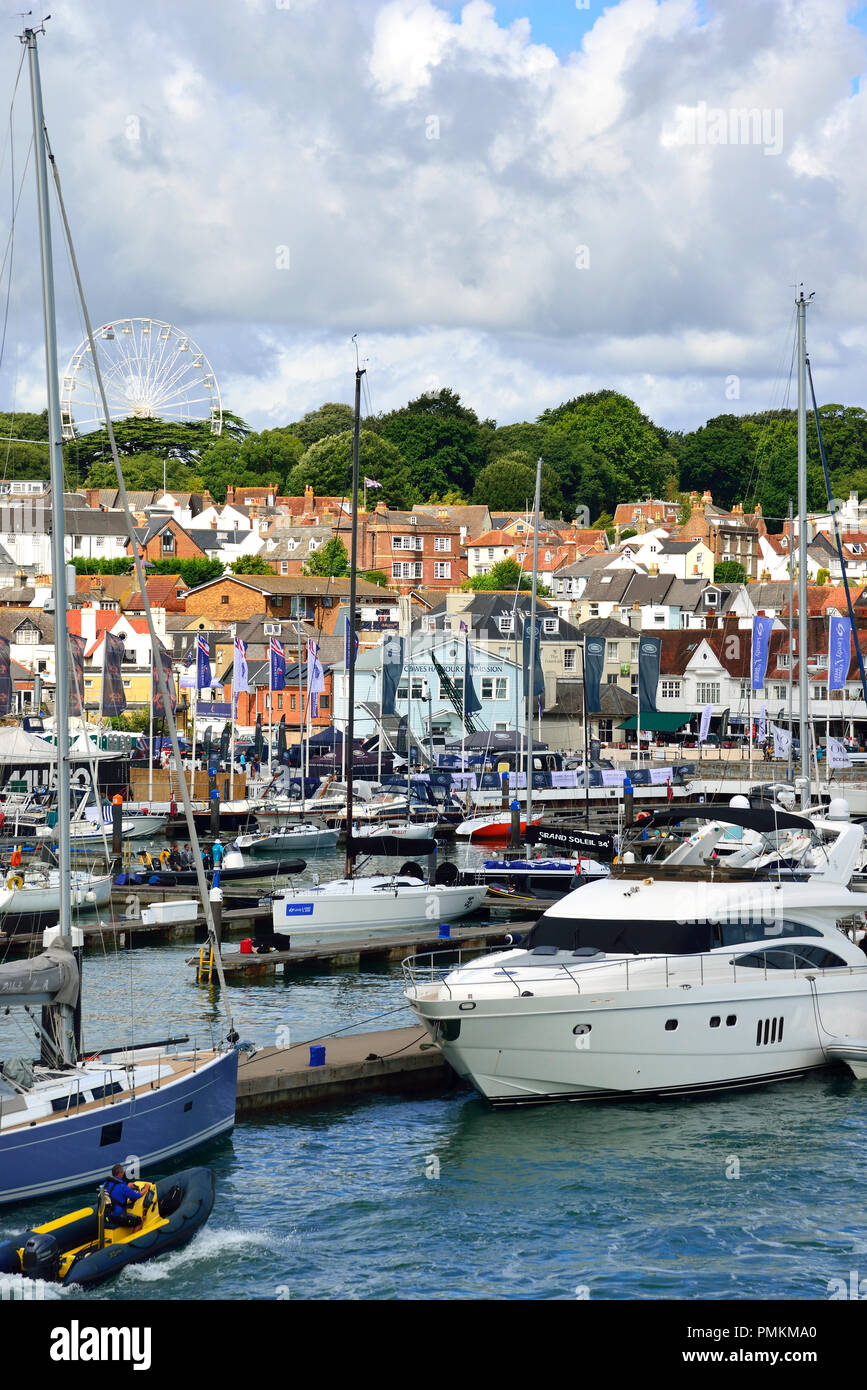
{"points": [[793, 958], [657, 938]]}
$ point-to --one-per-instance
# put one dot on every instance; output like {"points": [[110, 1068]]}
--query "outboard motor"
{"points": [[40, 1258]]}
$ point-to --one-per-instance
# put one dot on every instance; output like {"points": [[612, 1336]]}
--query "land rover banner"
{"points": [[77, 647], [594, 660], [649, 650]]}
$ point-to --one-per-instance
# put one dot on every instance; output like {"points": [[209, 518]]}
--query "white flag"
{"points": [[782, 741], [763, 724], [837, 753], [705, 724]]}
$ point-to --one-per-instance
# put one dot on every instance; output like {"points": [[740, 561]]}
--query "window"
{"points": [[490, 552], [406, 569], [783, 661], [27, 636], [443, 543], [594, 610], [605, 726], [610, 679], [707, 692], [323, 702], [442, 569], [633, 651], [168, 543], [284, 566], [671, 690], [495, 688], [551, 625], [224, 598], [292, 702], [280, 701], [569, 654], [407, 542], [506, 622], [633, 685], [612, 651]]}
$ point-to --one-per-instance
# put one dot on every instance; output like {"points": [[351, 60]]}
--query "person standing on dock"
{"points": [[217, 852], [187, 857]]}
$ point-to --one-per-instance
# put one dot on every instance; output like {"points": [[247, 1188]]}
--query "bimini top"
{"points": [[763, 819]]}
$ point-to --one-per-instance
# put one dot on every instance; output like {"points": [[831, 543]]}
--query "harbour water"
{"points": [[751, 1196]]}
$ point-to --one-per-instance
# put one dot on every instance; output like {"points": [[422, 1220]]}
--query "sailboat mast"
{"points": [[350, 636], [532, 670], [58, 549], [803, 687]]}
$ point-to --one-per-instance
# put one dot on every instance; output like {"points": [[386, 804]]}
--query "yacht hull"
{"points": [[360, 908], [78, 1150], [526, 1050]]}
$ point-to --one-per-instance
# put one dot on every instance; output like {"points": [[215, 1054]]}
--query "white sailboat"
{"points": [[65, 1119]]}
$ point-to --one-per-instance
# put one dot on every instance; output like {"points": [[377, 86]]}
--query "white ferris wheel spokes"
{"points": [[150, 370]]}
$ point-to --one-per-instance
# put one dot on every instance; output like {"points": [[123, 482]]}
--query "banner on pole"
{"points": [[277, 659], [6, 694], [594, 661], [704, 727], [838, 755], [162, 656], [782, 741], [649, 656], [839, 642], [113, 696], [762, 629], [77, 647]]}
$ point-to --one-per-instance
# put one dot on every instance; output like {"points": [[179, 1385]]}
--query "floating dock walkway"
{"points": [[389, 1061]]}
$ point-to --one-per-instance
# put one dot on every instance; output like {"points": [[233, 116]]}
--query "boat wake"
{"points": [[208, 1245]]}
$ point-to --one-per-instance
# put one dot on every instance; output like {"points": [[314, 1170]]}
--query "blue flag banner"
{"points": [[77, 646], [240, 672], [839, 647], [538, 680], [350, 643], [472, 703], [762, 629], [278, 665], [649, 656], [315, 678], [163, 656], [203, 663], [594, 661], [113, 697]]}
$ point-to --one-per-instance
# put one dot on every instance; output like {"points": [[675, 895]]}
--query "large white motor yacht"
{"points": [[668, 977]]}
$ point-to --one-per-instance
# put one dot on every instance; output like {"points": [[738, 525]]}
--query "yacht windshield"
{"points": [[658, 937]]}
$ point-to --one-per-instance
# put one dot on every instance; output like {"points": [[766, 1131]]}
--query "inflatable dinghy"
{"points": [[82, 1249]]}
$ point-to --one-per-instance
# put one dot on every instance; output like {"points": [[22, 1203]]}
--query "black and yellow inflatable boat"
{"points": [[81, 1249]]}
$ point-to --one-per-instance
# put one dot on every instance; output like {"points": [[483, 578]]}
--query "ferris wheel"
{"points": [[151, 371]]}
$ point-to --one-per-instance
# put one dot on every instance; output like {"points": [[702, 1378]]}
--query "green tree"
{"points": [[250, 564], [729, 572], [82, 566], [271, 453], [374, 577], [613, 427], [509, 484], [327, 468], [193, 572], [331, 418], [718, 456], [331, 558], [822, 576], [443, 441], [186, 440], [144, 473], [505, 574]]}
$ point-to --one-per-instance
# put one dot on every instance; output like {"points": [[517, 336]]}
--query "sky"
{"points": [[521, 201]]}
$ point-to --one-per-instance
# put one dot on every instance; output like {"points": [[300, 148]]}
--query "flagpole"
{"points": [[464, 712], [300, 719], [531, 694], [791, 618], [828, 709], [150, 731], [750, 722], [381, 697], [270, 703]]}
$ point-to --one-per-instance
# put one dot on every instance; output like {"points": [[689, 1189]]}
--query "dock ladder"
{"points": [[205, 969]]}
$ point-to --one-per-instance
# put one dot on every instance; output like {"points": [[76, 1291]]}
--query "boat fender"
{"points": [[40, 1258], [121, 880], [154, 880], [15, 881]]}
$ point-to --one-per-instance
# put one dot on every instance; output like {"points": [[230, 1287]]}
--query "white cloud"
{"points": [[195, 141]]}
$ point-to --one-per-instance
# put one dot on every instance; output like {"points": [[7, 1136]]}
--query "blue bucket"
{"points": [[445, 929], [317, 1056]]}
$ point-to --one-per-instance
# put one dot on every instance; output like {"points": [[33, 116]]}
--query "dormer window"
{"points": [[506, 622]]}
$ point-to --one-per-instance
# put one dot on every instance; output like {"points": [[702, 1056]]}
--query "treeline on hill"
{"points": [[596, 450]]}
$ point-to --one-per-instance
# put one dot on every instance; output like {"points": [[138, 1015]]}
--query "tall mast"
{"points": [[532, 670], [350, 638], [58, 549], [803, 687]]}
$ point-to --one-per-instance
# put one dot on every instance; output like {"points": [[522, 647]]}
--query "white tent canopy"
{"points": [[18, 746]]}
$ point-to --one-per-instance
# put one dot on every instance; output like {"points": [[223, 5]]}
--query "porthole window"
{"points": [[581, 1028], [670, 1025], [731, 1020], [715, 1021]]}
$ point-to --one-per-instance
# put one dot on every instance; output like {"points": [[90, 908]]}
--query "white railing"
{"points": [[675, 970]]}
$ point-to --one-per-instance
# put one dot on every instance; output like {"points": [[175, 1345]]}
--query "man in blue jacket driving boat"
{"points": [[120, 1195]]}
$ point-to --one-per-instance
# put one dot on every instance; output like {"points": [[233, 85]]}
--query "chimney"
{"points": [[230, 494], [706, 497], [635, 616], [653, 570]]}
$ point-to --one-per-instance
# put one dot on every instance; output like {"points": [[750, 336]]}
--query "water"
{"points": [[753, 1196]]}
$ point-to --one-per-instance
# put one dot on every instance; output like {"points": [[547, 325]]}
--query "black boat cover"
{"points": [[391, 846], [763, 819]]}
